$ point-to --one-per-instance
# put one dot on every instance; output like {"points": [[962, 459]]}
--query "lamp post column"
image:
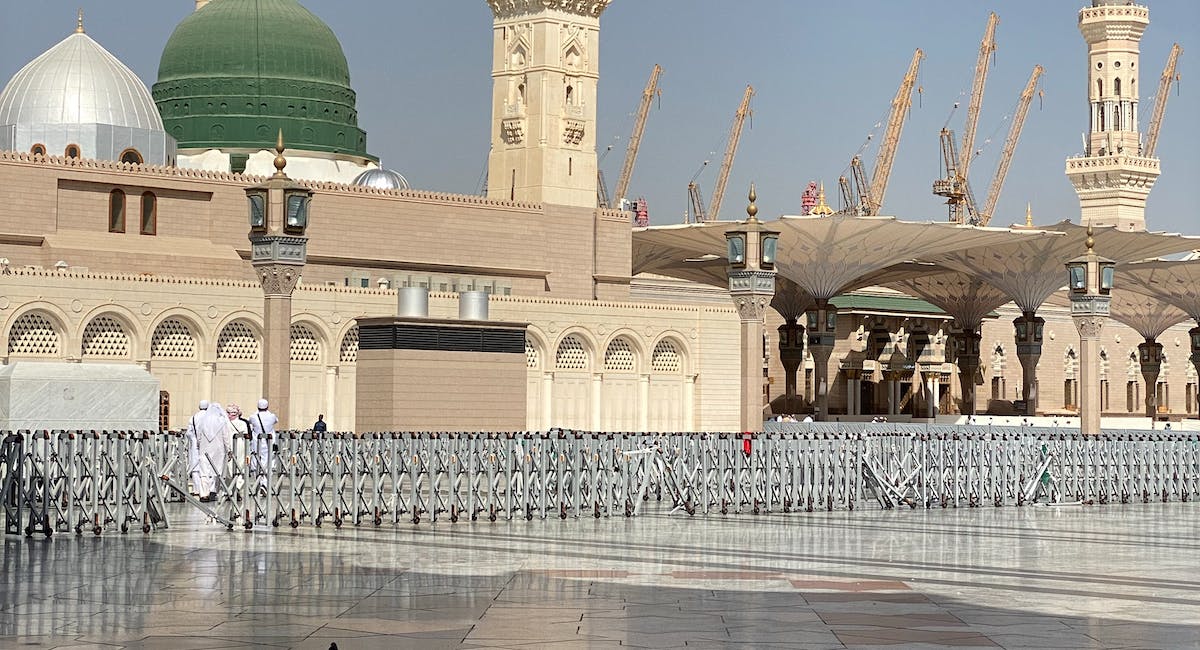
{"points": [[966, 345], [1090, 281], [1194, 334], [278, 252], [791, 355], [1150, 362], [751, 256], [822, 335], [1028, 328]]}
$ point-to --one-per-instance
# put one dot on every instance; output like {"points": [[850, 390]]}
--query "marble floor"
{"points": [[1033, 577]]}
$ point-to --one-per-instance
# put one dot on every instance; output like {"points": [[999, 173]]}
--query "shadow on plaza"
{"points": [[500, 585]]}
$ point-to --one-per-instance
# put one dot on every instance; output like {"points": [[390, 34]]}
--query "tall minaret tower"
{"points": [[546, 64], [1112, 178]]}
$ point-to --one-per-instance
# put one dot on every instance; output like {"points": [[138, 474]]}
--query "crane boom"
{"points": [[849, 204], [863, 191], [986, 48], [891, 139], [714, 205], [954, 185], [696, 201], [635, 140], [1160, 101], [1010, 145]]}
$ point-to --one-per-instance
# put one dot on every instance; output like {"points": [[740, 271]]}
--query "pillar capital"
{"points": [[276, 278]]}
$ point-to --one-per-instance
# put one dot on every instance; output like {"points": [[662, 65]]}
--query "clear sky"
{"points": [[824, 72]]}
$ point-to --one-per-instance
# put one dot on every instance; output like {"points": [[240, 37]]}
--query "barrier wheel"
{"points": [[145, 528], [248, 525], [294, 523], [337, 523], [416, 519], [97, 530], [275, 523], [378, 521], [124, 528]]}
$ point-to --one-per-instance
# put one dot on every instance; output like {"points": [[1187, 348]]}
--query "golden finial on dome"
{"points": [[752, 209], [79, 22], [821, 209], [280, 161], [1028, 215], [1091, 240]]}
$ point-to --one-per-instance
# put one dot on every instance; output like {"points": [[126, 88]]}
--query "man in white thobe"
{"points": [[262, 424], [193, 449], [213, 440]]}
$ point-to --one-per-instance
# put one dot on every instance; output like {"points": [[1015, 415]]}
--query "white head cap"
{"points": [[203, 405], [262, 404]]}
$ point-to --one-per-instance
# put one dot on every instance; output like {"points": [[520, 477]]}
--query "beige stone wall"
{"points": [[202, 338], [58, 209], [423, 390]]}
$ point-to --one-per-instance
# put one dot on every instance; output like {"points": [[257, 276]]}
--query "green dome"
{"points": [[236, 71]]}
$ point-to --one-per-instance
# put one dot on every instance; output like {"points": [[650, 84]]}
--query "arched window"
{"points": [[349, 351], [72, 151], [238, 342], [619, 356], [33, 335], [131, 156], [571, 355], [116, 211], [666, 358], [149, 213], [1117, 86], [105, 336], [38, 150], [570, 96], [1099, 88]]}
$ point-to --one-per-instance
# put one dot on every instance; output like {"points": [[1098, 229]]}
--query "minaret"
{"points": [[1112, 178], [546, 64]]}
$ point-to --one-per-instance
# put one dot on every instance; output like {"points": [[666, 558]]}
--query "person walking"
{"points": [[319, 426], [240, 432], [213, 436], [263, 426], [193, 448]]}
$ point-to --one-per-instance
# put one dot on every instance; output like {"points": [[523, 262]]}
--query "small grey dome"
{"points": [[78, 82], [381, 179]]}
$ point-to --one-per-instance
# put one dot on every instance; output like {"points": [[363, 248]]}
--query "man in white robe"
{"points": [[262, 424], [193, 449], [213, 441]]}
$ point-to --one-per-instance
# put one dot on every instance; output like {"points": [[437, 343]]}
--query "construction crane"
{"points": [[695, 199], [1010, 145], [849, 203], [635, 140], [861, 189], [954, 185], [891, 139], [735, 134], [987, 48], [1160, 101]]}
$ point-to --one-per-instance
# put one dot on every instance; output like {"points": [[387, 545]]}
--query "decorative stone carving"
{"points": [[514, 130], [573, 132], [752, 307], [278, 279], [513, 8], [1089, 326]]}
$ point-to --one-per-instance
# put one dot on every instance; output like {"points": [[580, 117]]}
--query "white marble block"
{"points": [[84, 396]]}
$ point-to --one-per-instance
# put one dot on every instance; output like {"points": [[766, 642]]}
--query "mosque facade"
{"points": [[124, 239]]}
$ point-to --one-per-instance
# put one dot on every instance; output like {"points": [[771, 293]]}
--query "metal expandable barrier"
{"points": [[103, 481]]}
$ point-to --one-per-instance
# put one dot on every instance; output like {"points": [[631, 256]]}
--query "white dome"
{"points": [[382, 179], [78, 82]]}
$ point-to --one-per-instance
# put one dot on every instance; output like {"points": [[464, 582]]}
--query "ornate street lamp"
{"points": [[751, 249], [278, 216], [1089, 282]]}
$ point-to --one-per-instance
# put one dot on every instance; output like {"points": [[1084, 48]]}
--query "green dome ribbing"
{"points": [[235, 72]]}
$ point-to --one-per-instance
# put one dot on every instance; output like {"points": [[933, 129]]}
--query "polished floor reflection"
{"points": [[1034, 577]]}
